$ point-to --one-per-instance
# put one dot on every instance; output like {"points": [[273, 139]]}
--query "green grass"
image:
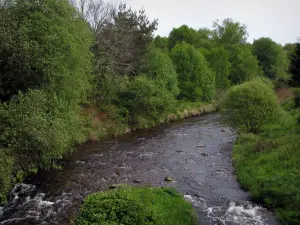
{"points": [[137, 206], [268, 165]]}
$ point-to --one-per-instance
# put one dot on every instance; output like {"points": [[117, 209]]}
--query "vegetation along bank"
{"points": [[74, 72]]}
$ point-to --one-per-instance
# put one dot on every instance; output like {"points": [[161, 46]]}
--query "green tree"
{"points": [[183, 34], [196, 80], [161, 43], [250, 105], [146, 100], [121, 41], [219, 62], [229, 32], [244, 65], [159, 66], [295, 65], [37, 51], [272, 58]]}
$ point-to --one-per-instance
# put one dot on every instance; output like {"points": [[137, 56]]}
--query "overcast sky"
{"points": [[278, 19]]}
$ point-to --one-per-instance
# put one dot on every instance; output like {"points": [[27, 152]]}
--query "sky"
{"points": [[277, 19]]}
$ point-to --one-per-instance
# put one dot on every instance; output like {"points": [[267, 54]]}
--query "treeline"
{"points": [[59, 58]]}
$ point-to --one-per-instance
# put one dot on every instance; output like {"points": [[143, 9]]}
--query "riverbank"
{"points": [[102, 126], [268, 165]]}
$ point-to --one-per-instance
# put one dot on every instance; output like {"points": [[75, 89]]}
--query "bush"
{"points": [[250, 105], [196, 80], [137, 206], [39, 129]]}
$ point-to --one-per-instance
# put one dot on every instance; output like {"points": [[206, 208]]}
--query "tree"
{"points": [[95, 12], [161, 43], [229, 32], [183, 34], [272, 58], [295, 65], [250, 105], [196, 80], [244, 65], [159, 66], [122, 41], [219, 62], [37, 51]]}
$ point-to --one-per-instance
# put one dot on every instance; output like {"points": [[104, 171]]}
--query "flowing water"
{"points": [[195, 152]]}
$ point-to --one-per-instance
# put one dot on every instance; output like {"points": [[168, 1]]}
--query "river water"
{"points": [[195, 152]]}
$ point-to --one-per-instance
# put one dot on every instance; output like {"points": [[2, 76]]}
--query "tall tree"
{"points": [[161, 43], [196, 80], [272, 58], [198, 39], [122, 41], [218, 59], [37, 51], [229, 32], [244, 65]]}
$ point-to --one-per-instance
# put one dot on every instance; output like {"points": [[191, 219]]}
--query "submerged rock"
{"points": [[137, 181], [201, 146], [169, 179]]}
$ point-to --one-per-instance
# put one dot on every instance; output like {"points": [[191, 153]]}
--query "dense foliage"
{"points": [[38, 51], [244, 65], [250, 105], [140, 206], [196, 80], [272, 58], [219, 62], [295, 64]]}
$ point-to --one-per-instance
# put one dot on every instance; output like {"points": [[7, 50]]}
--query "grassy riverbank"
{"points": [[268, 165], [103, 125]]}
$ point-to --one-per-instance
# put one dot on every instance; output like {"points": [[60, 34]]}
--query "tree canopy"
{"points": [[196, 80], [272, 58]]}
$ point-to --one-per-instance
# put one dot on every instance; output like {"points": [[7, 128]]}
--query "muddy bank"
{"points": [[195, 152]]}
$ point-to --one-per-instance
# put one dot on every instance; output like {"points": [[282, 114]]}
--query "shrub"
{"points": [[137, 206], [196, 80], [250, 105], [38, 128]]}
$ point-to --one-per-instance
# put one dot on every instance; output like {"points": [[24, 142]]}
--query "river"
{"points": [[195, 152]]}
